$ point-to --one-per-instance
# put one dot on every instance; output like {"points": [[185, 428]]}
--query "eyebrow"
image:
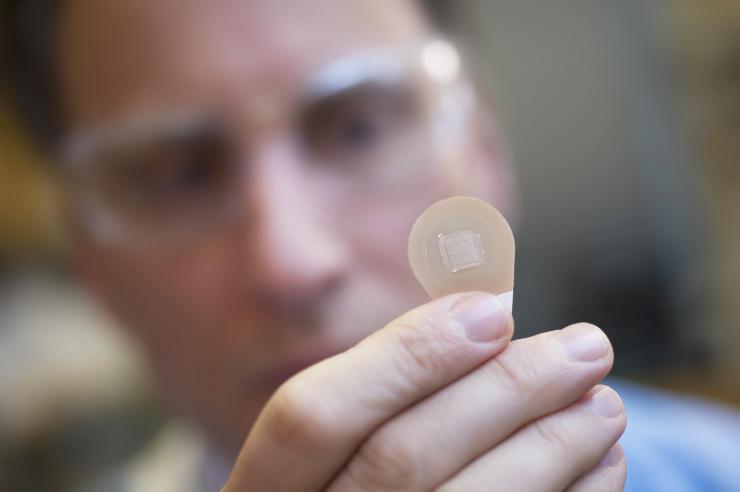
{"points": [[345, 75]]}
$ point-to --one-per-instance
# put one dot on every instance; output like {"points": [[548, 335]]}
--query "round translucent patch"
{"points": [[462, 244]]}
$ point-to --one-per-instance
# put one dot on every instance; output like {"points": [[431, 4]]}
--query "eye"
{"points": [[360, 124], [178, 169], [364, 123], [362, 129], [166, 176]]}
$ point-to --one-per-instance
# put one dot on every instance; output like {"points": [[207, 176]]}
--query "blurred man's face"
{"points": [[311, 257]]}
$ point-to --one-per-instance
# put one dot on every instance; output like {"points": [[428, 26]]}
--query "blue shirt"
{"points": [[677, 443]]}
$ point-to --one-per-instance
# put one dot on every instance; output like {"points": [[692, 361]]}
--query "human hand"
{"points": [[440, 399]]}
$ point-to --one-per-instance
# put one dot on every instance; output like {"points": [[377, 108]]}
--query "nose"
{"points": [[296, 257]]}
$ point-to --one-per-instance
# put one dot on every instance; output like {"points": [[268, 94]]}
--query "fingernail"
{"points": [[613, 457], [584, 342], [605, 403], [482, 316]]}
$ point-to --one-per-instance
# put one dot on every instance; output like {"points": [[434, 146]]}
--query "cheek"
{"points": [[378, 226], [161, 295]]}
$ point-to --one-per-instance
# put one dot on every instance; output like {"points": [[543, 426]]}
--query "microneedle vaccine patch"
{"points": [[462, 244], [460, 250]]}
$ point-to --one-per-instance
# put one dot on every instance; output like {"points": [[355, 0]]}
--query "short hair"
{"points": [[29, 30]]}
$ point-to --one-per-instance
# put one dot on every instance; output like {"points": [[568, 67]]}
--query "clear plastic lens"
{"points": [[460, 250]]}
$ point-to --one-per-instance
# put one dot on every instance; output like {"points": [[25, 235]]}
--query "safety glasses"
{"points": [[373, 123]]}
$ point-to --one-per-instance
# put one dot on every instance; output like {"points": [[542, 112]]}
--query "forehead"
{"points": [[120, 56]]}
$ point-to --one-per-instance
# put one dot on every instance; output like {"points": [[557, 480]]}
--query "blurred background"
{"points": [[624, 122]]}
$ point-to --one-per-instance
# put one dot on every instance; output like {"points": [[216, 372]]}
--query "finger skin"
{"points": [[608, 476], [551, 453], [434, 439], [315, 421]]}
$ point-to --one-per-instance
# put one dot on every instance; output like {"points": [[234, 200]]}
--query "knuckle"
{"points": [[556, 435], [387, 461], [424, 349], [297, 416], [517, 373], [528, 368]]}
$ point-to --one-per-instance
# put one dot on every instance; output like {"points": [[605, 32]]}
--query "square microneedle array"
{"points": [[460, 250]]}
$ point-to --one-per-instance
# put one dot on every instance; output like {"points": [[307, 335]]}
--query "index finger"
{"points": [[315, 421]]}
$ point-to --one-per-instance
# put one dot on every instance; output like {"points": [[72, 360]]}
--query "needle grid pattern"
{"points": [[460, 250]]}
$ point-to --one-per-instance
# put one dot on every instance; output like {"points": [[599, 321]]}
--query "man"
{"points": [[243, 175]]}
